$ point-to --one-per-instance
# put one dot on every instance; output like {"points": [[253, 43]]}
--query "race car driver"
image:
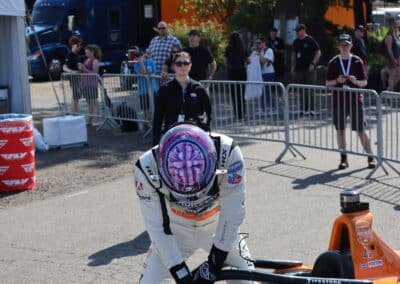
{"points": [[191, 189]]}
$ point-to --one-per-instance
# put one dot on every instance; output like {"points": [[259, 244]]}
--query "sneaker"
{"points": [[305, 113], [312, 113], [343, 165]]}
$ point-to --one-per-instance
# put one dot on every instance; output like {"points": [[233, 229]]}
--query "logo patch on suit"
{"points": [[234, 178], [235, 167]]}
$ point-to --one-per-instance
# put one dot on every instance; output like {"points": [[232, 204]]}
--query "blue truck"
{"points": [[114, 25]]}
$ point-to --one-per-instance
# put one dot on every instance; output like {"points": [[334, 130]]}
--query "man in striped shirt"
{"points": [[161, 45]]}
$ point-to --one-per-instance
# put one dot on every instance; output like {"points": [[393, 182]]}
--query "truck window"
{"points": [[77, 16], [115, 19], [47, 15]]}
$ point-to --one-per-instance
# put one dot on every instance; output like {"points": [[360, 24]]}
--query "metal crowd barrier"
{"points": [[131, 98], [248, 109], [298, 115], [391, 128], [314, 110], [82, 94]]}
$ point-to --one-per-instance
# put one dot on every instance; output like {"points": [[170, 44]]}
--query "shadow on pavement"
{"points": [[383, 189], [138, 245]]}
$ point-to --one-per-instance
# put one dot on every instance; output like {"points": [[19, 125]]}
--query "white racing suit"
{"points": [[178, 228]]}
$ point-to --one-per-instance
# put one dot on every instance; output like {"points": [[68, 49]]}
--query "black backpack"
{"points": [[125, 111]]}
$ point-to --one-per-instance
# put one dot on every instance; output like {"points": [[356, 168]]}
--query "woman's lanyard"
{"points": [[346, 71], [181, 116]]}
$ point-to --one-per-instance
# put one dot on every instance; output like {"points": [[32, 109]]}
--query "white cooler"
{"points": [[65, 131]]}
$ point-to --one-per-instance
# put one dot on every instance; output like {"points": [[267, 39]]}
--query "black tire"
{"points": [[334, 264]]}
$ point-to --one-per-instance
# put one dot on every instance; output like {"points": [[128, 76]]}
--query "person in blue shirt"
{"points": [[145, 66]]}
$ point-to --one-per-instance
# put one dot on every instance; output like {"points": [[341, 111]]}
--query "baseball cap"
{"points": [[345, 37], [194, 32], [360, 27], [300, 27]]}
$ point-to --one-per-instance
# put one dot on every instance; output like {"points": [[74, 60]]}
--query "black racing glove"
{"points": [[208, 271], [181, 274]]}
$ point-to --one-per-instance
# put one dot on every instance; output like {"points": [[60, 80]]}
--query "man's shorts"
{"points": [[354, 111]]}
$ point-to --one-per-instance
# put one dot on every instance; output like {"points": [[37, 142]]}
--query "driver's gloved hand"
{"points": [[203, 275], [208, 271], [181, 274]]}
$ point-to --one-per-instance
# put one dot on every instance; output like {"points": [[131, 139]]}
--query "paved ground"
{"points": [[95, 234]]}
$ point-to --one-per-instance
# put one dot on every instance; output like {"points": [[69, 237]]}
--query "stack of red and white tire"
{"points": [[17, 153]]}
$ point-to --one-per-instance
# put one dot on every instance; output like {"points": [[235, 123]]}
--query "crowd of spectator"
{"points": [[184, 98]]}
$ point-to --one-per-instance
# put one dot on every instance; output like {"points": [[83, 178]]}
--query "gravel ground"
{"points": [[109, 156]]}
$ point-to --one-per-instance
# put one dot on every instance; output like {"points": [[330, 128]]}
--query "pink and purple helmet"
{"points": [[187, 159]]}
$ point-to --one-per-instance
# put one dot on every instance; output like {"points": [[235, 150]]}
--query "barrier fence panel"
{"points": [[248, 109], [391, 127], [315, 112], [130, 97], [82, 94]]}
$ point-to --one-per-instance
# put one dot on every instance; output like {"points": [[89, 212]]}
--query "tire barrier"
{"points": [[17, 153]]}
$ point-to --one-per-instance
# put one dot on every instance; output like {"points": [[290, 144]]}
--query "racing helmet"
{"points": [[187, 160]]}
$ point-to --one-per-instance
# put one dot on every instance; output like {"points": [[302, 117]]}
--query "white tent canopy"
{"points": [[12, 8], [13, 59]]}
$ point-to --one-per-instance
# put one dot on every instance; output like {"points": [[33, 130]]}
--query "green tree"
{"points": [[210, 9], [254, 15]]}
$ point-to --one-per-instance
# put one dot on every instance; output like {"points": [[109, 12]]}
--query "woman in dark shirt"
{"points": [[167, 68], [73, 66], [236, 58], [392, 54], [182, 99]]}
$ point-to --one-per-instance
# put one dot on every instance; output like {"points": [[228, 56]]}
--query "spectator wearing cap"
{"points": [[277, 44], [359, 47], [346, 70], [203, 62], [160, 46], [73, 66], [305, 57]]}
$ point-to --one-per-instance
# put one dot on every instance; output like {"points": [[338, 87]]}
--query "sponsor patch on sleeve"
{"points": [[235, 167], [234, 178]]}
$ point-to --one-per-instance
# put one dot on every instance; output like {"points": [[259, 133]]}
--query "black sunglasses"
{"points": [[182, 63], [161, 28], [259, 42]]}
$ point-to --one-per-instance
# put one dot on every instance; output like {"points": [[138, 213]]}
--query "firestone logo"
{"points": [[27, 141], [14, 156], [28, 167], [15, 182]]}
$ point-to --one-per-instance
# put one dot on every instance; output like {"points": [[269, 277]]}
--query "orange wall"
{"points": [[340, 16], [169, 11], [336, 14]]}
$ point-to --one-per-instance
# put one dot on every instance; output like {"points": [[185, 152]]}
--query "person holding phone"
{"points": [[347, 70]]}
